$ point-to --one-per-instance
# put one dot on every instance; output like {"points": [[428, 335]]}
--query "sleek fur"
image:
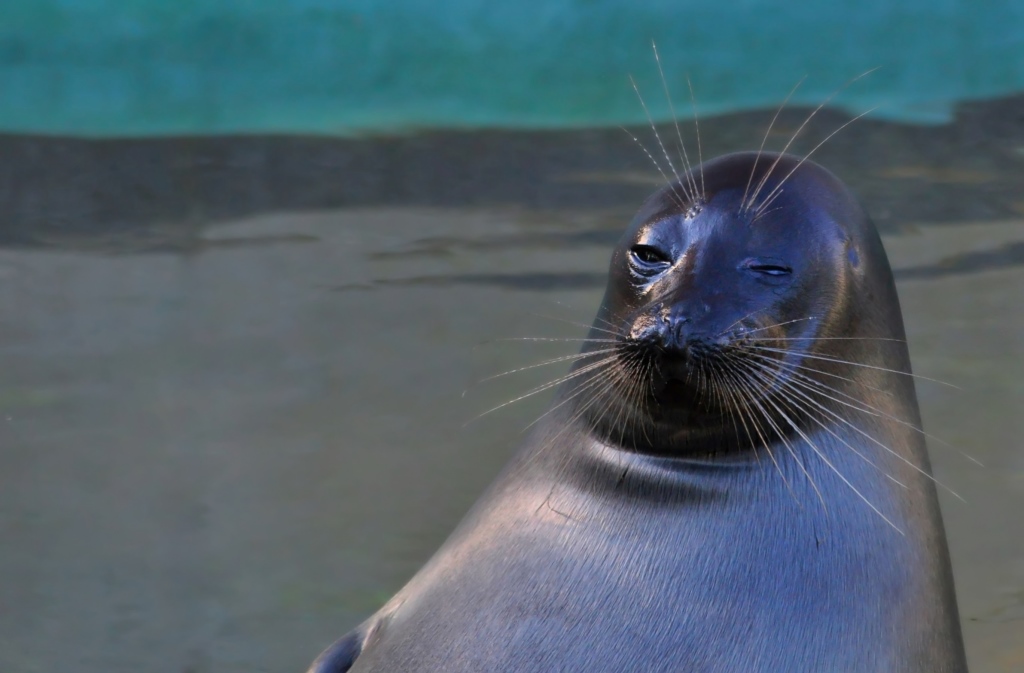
{"points": [[731, 478]]}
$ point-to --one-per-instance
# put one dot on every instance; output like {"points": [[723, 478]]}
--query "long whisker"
{"points": [[767, 175], [736, 409], [793, 384], [696, 126], [620, 424], [615, 327], [603, 385], [573, 322], [778, 324], [675, 120], [632, 393], [547, 386], [743, 203], [848, 362], [778, 188], [726, 398], [581, 390], [559, 339], [814, 447], [657, 136], [545, 363], [646, 369], [795, 367], [819, 338], [587, 386], [787, 387], [752, 396], [737, 322], [672, 190]]}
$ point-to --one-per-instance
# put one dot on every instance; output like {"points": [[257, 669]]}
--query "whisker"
{"points": [[609, 323], [761, 213], [619, 427], [631, 393], [743, 202], [752, 397], [545, 363], [558, 339], [675, 120], [848, 362], [584, 388], [605, 384], [602, 385], [647, 367], [736, 408], [672, 190], [737, 322], [657, 136], [573, 322], [867, 436], [696, 126], [775, 192], [767, 175], [794, 367], [547, 386], [778, 324], [824, 459], [593, 383], [812, 338], [786, 385], [728, 399]]}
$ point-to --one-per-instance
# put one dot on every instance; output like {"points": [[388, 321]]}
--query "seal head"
{"points": [[727, 290]]}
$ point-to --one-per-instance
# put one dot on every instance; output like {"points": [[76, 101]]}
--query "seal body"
{"points": [[733, 478]]}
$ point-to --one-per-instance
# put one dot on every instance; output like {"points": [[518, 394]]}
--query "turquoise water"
{"points": [[141, 67]]}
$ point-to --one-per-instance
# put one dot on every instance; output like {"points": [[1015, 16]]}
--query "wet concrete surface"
{"points": [[236, 419]]}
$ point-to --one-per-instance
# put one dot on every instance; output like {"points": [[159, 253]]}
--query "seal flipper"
{"points": [[340, 656]]}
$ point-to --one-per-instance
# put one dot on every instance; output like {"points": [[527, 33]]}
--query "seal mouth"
{"points": [[705, 377], [692, 392], [672, 392], [673, 379], [670, 376]]}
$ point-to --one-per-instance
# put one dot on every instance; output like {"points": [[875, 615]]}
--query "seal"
{"points": [[732, 477]]}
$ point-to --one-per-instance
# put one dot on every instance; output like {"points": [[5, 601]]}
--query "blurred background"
{"points": [[257, 259]]}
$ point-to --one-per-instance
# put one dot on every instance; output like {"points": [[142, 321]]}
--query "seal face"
{"points": [[707, 290], [732, 478]]}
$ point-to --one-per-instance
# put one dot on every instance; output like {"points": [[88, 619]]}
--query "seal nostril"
{"points": [[648, 329], [679, 333]]}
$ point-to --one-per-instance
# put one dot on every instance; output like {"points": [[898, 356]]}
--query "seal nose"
{"points": [[673, 329], [664, 328]]}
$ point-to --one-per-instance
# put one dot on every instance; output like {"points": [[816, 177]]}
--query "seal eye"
{"points": [[647, 260], [768, 268]]}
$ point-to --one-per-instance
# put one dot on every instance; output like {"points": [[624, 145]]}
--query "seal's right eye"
{"points": [[648, 260]]}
